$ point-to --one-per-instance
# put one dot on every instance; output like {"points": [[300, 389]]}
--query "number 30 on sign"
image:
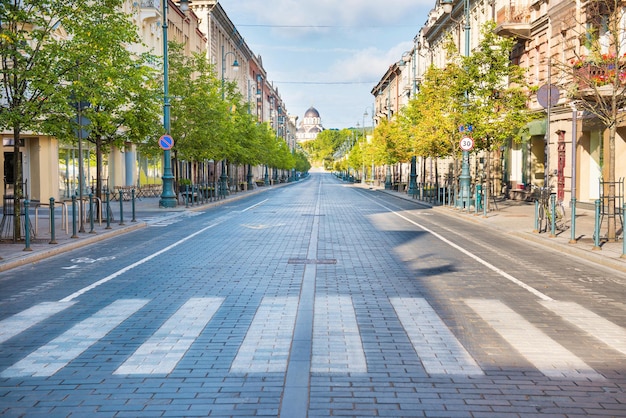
{"points": [[467, 143]]}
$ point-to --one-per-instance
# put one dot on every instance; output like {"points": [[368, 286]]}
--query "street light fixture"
{"points": [[365, 115], [465, 177], [235, 67], [168, 197]]}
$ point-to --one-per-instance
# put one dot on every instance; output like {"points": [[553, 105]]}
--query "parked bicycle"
{"points": [[545, 211]]}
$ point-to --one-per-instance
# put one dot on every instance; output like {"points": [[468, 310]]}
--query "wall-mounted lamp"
{"points": [[183, 5], [447, 6]]}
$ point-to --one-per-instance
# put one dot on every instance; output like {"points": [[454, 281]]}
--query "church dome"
{"points": [[312, 113]]}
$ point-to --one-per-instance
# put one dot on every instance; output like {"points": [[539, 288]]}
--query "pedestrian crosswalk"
{"points": [[162, 352], [339, 343]]}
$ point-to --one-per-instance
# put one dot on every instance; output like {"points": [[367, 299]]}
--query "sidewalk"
{"points": [[146, 210], [518, 218]]}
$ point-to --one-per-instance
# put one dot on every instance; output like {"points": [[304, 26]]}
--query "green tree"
{"points": [[391, 143], [497, 94], [201, 122], [431, 120], [121, 87], [41, 43]]}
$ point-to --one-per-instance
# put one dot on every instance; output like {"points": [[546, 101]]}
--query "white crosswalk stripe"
{"points": [[265, 348], [337, 346], [438, 349], [55, 355], [20, 322], [548, 356], [167, 346], [593, 324]]}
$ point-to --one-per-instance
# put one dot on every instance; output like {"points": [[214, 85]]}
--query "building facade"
{"points": [[566, 147], [51, 168]]}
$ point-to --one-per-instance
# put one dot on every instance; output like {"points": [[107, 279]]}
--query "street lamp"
{"points": [[235, 67], [168, 197], [464, 179]]}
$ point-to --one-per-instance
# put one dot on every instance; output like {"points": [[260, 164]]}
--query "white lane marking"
{"points": [[469, 254], [337, 346], [266, 346], [20, 322], [602, 329], [52, 357], [142, 261], [254, 206], [167, 346], [548, 356], [438, 349]]}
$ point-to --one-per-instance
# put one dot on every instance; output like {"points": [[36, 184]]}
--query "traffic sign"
{"points": [[467, 143], [548, 95], [166, 142]]}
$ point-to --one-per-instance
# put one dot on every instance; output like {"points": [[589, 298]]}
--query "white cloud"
{"points": [[327, 12], [335, 65], [369, 64]]}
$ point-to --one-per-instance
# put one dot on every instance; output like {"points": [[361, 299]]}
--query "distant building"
{"points": [[310, 126]]}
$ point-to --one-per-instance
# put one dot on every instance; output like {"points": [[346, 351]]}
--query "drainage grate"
{"points": [[310, 261]]}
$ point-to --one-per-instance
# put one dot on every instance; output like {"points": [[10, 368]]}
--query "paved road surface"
{"points": [[318, 299]]}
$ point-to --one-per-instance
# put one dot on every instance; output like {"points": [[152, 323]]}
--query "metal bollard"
{"points": [[186, 195], [26, 226], [74, 217], [476, 201], [553, 217], [91, 214], [108, 209], [132, 199], [122, 207], [623, 233], [52, 236], [572, 239], [596, 228], [536, 230], [485, 202]]}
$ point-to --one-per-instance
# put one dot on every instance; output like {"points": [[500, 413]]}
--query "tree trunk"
{"points": [[98, 191], [610, 191], [488, 176], [17, 186]]}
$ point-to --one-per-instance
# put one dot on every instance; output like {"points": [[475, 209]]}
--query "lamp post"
{"points": [[465, 169], [168, 197], [363, 179], [235, 66]]}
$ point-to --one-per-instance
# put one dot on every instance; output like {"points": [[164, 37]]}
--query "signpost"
{"points": [[166, 142], [467, 143]]}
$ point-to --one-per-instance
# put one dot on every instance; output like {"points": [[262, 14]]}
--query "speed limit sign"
{"points": [[467, 143]]}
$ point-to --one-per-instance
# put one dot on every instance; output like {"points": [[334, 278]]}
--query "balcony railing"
{"points": [[593, 79], [150, 10], [513, 21], [151, 3]]}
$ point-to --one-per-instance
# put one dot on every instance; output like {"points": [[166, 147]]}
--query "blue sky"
{"points": [[328, 54]]}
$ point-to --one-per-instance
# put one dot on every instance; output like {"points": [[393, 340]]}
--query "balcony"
{"points": [[150, 10], [595, 80], [590, 75], [513, 22]]}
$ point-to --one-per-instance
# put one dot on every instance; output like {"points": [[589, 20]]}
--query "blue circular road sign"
{"points": [[166, 142]]}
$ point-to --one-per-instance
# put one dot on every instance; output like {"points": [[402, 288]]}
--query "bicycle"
{"points": [[545, 212]]}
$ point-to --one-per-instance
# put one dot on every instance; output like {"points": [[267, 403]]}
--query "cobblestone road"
{"points": [[313, 300]]}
